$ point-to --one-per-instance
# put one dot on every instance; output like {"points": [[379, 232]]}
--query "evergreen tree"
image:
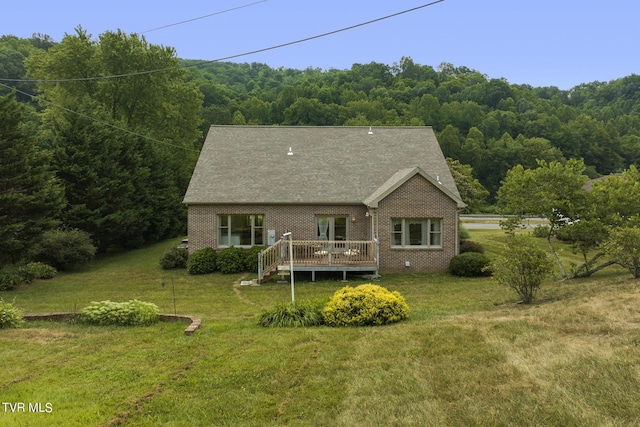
{"points": [[30, 196], [127, 154]]}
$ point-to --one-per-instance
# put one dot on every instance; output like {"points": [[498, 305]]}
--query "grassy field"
{"points": [[469, 355]]}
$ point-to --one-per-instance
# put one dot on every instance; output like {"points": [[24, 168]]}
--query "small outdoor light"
{"points": [[173, 290]]}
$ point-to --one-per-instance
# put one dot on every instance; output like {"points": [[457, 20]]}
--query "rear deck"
{"points": [[318, 255]]}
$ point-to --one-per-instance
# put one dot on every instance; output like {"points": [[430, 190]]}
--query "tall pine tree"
{"points": [[127, 153], [30, 197]]}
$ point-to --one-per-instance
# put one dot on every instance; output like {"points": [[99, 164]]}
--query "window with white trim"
{"points": [[416, 232], [331, 227], [240, 230]]}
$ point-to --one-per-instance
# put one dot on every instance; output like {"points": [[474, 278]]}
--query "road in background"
{"points": [[492, 222]]}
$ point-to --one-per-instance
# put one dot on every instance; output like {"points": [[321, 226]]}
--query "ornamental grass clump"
{"points": [[365, 305], [131, 313], [303, 313]]}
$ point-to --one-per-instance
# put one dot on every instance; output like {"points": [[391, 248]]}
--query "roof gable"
{"points": [[400, 178], [328, 165]]}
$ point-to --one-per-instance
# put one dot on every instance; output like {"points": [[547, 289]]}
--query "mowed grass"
{"points": [[469, 355]]}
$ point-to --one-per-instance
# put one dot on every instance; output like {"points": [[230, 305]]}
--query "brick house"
{"points": [[353, 198]]}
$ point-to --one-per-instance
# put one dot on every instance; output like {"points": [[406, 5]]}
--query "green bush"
{"points": [[365, 305], [174, 258], [304, 313], [231, 260], [463, 233], [64, 249], [470, 264], [10, 317], [251, 258], [202, 261], [541, 231], [470, 246], [36, 270], [131, 313], [10, 280], [524, 267]]}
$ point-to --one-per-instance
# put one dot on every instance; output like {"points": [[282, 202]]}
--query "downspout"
{"points": [[376, 229], [457, 242]]}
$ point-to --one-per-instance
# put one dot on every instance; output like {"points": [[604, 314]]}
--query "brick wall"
{"points": [[300, 220], [417, 198]]}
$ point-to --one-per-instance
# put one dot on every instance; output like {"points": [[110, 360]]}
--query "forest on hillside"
{"points": [[150, 125]]}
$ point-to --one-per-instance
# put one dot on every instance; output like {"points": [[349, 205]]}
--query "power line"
{"points": [[253, 52], [202, 17], [193, 65], [99, 121]]}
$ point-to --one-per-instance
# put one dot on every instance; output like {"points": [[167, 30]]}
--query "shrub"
{"points": [[202, 261], [470, 246], [10, 317], [365, 305], [131, 313], [541, 231], [9, 280], [524, 267], [623, 245], [251, 258], [36, 270], [463, 233], [231, 260], [304, 313], [64, 249], [470, 264], [174, 258]]}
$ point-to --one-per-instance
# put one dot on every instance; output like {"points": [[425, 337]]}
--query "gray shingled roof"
{"points": [[329, 165]]}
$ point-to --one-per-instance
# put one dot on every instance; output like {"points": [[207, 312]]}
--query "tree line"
{"points": [[116, 152]]}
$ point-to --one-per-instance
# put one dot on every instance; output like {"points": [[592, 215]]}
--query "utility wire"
{"points": [[99, 121], [191, 65], [202, 17], [253, 52]]}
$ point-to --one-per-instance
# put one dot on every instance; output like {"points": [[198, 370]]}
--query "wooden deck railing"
{"points": [[316, 253], [270, 259]]}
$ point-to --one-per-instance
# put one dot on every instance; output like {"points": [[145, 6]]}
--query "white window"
{"points": [[240, 230], [419, 232]]}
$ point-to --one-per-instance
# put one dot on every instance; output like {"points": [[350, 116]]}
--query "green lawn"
{"points": [[469, 355]]}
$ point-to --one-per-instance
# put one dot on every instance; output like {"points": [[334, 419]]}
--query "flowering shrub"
{"points": [[131, 313], [10, 317], [365, 305]]}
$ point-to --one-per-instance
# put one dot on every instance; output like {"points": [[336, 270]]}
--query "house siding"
{"points": [[299, 219], [417, 198]]}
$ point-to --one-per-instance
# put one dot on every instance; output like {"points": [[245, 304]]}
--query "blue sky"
{"points": [[542, 43]]}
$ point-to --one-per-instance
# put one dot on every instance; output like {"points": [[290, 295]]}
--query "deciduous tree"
{"points": [[554, 190]]}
